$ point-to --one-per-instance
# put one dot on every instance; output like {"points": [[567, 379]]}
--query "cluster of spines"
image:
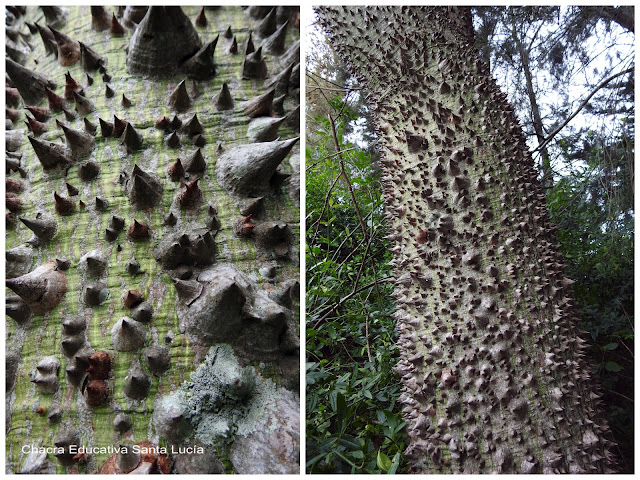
{"points": [[73, 103]]}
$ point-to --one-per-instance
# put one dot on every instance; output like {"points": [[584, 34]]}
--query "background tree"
{"points": [[548, 59], [446, 384]]}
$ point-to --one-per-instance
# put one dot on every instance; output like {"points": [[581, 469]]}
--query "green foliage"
{"points": [[593, 208], [353, 425]]}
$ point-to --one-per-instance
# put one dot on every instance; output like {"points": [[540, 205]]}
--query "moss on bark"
{"points": [[84, 229]]}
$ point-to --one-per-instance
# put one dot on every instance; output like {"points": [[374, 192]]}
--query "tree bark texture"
{"points": [[133, 231], [492, 362]]}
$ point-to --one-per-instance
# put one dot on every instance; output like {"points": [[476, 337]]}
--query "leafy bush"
{"points": [[593, 208], [353, 423]]}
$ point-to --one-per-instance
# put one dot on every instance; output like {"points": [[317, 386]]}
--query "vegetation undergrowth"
{"points": [[353, 422]]}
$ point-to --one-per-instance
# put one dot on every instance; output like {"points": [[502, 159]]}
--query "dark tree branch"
{"points": [[330, 308], [343, 173], [582, 105], [324, 207], [346, 178]]}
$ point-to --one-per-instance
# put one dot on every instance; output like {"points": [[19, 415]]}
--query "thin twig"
{"points": [[329, 156], [364, 261], [322, 91], [628, 349], [350, 254], [375, 279], [344, 104], [324, 207], [620, 395], [353, 251], [345, 176], [366, 330], [332, 89], [353, 198], [313, 74], [327, 310]]}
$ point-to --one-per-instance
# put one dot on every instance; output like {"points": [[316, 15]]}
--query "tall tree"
{"points": [[491, 358]]}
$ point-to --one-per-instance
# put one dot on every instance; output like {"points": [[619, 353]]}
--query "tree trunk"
{"points": [[547, 174], [494, 378], [151, 263]]}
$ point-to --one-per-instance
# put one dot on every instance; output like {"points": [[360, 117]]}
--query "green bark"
{"points": [[494, 378], [84, 230]]}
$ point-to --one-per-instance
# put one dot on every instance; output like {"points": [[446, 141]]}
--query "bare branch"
{"points": [[366, 330], [345, 176], [324, 207], [330, 308], [310, 167], [582, 105], [341, 88]]}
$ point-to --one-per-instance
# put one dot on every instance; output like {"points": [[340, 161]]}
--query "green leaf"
{"points": [[332, 332], [383, 462], [395, 464], [333, 401], [341, 405], [610, 346], [612, 367], [346, 459], [350, 442], [316, 458], [357, 454], [312, 377]]}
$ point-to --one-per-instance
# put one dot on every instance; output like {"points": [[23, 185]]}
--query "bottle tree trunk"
{"points": [[492, 363]]}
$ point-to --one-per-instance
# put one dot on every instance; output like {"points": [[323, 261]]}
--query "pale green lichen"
{"points": [[223, 399]]}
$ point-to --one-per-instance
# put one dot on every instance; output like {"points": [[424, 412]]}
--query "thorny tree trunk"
{"points": [[189, 265], [494, 378]]}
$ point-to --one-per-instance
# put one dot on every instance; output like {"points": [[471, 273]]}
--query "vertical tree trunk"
{"points": [[547, 174], [623, 16], [491, 358]]}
